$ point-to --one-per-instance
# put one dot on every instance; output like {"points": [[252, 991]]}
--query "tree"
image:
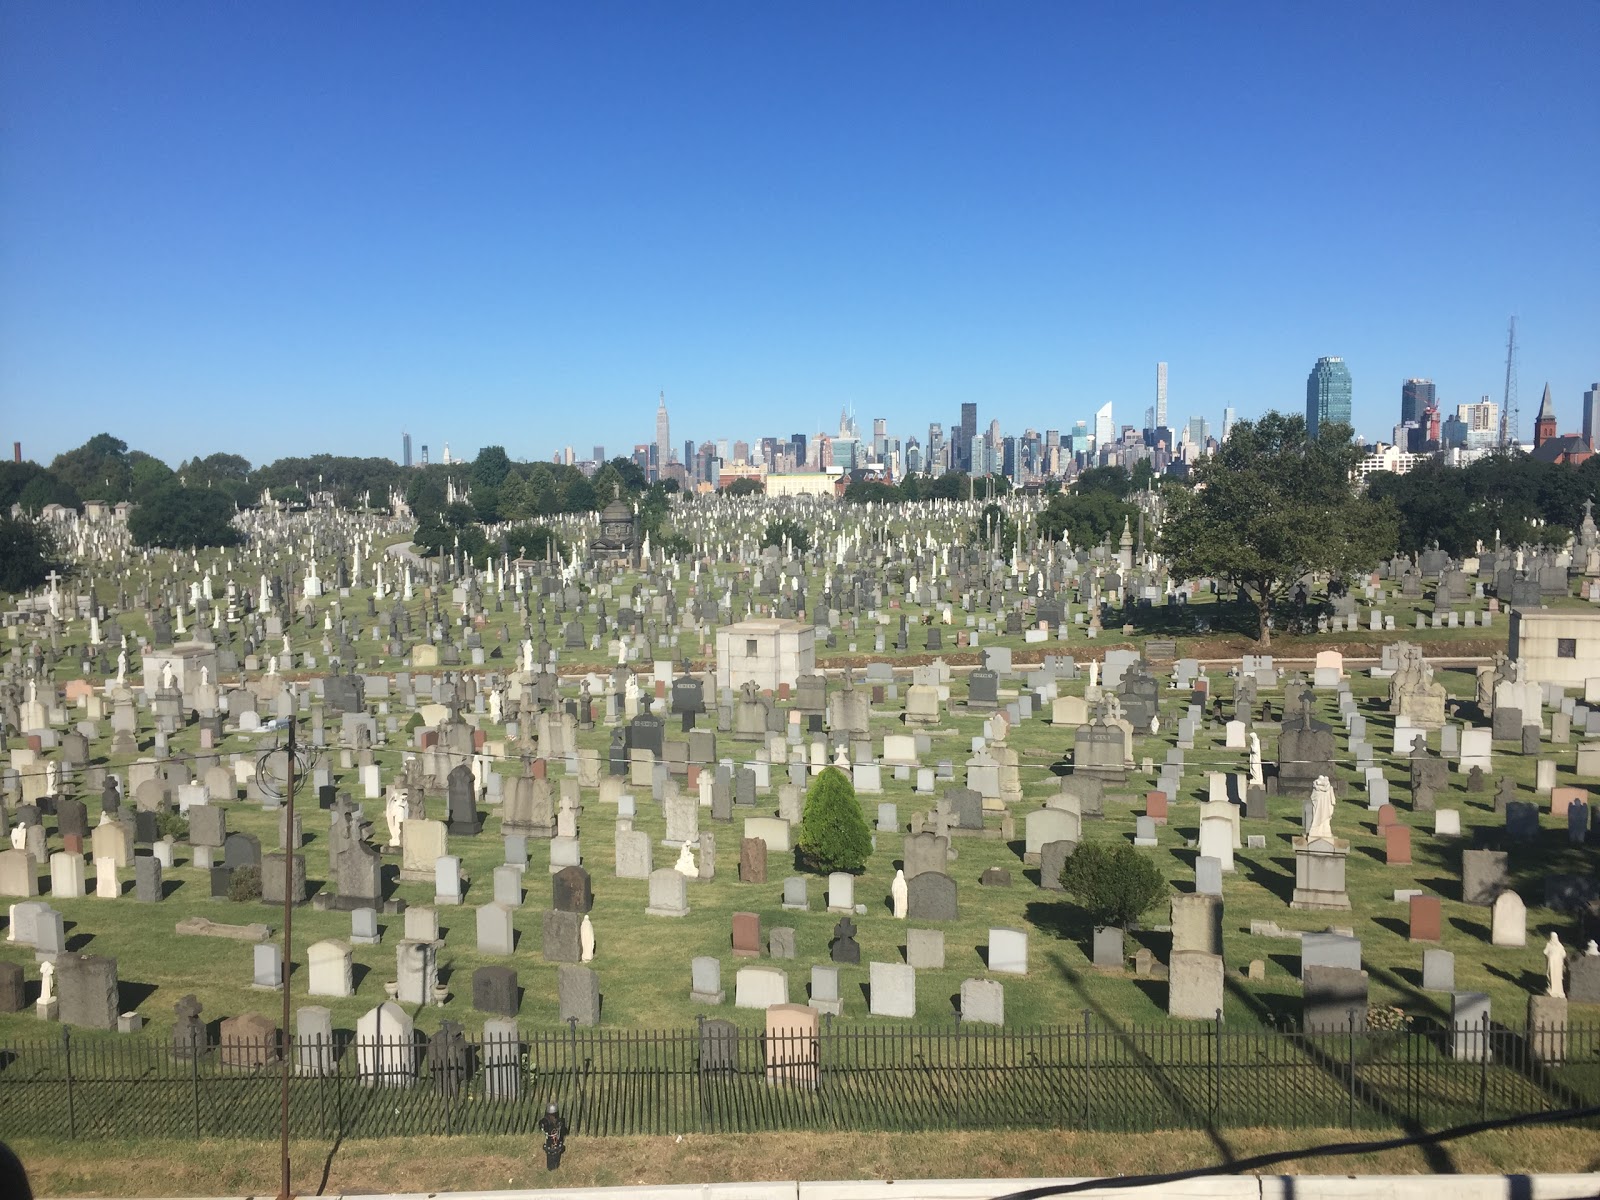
{"points": [[629, 473], [833, 833], [1115, 884], [1273, 505], [1086, 518], [530, 541], [27, 553], [179, 517], [490, 467], [98, 469], [777, 532], [872, 491], [745, 486]]}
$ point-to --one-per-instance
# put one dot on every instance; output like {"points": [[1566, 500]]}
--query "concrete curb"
{"points": [[1215, 1187]]}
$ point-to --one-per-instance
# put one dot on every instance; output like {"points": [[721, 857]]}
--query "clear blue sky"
{"points": [[284, 228]]}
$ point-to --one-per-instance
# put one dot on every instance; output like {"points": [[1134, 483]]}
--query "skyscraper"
{"points": [[663, 436], [1104, 430], [1416, 397], [968, 429], [1327, 394], [405, 448], [1591, 415], [1161, 395]]}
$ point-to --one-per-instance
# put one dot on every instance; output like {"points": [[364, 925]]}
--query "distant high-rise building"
{"points": [[1591, 415], [663, 435], [1105, 431], [961, 448], [424, 453], [405, 449], [1161, 394], [797, 443], [1327, 394], [1416, 397], [1228, 418], [599, 454]]}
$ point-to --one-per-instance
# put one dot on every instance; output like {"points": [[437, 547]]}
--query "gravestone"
{"points": [[931, 896]]}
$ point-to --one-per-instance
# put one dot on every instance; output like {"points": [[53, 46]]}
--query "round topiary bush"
{"points": [[1115, 884], [833, 832]]}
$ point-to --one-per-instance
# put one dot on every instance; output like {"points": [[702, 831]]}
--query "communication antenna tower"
{"points": [[1510, 418]]}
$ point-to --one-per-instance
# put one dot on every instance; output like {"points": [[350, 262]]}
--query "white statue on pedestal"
{"points": [[586, 940], [122, 667], [1319, 809], [168, 676], [394, 813], [685, 865], [19, 837], [47, 977], [899, 890], [1555, 966], [1257, 779]]}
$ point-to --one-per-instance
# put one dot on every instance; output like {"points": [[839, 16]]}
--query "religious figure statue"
{"points": [[205, 675], [52, 778], [47, 976], [168, 676], [1555, 966], [898, 892], [1257, 779], [122, 667], [685, 865], [1319, 809], [586, 940], [395, 812], [19, 837]]}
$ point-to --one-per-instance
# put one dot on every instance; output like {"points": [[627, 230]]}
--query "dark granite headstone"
{"points": [[571, 891], [494, 990], [931, 896]]}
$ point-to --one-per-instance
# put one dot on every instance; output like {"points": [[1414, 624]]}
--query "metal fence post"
{"points": [[194, 1078], [1216, 1072], [1351, 1041], [1483, 1072], [338, 1087], [72, 1114], [1088, 1070]]}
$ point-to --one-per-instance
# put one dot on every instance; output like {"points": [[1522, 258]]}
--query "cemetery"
{"points": [[548, 820]]}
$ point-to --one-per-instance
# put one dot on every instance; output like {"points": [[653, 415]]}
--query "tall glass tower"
{"points": [[1327, 394]]}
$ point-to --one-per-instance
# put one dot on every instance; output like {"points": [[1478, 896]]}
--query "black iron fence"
{"points": [[718, 1078]]}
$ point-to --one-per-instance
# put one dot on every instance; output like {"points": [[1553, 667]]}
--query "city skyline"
{"points": [[223, 233]]}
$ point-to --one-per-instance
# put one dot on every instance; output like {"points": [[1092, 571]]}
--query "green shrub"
{"points": [[172, 824], [244, 884], [833, 833], [1114, 884]]}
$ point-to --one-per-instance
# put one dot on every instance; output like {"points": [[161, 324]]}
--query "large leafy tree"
{"points": [[179, 517], [27, 552], [833, 832], [98, 469], [1085, 518], [1272, 505]]}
